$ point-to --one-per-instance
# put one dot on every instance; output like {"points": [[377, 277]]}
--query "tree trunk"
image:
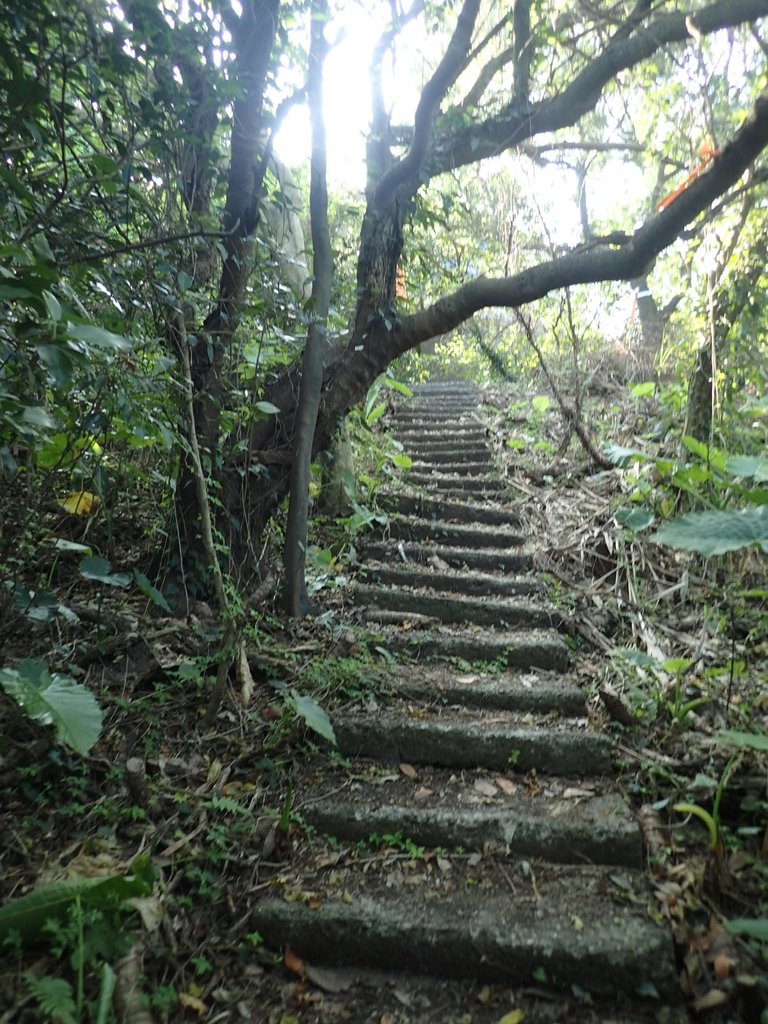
{"points": [[296, 598]]}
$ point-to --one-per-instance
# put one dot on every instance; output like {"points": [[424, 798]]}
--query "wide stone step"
{"points": [[459, 511], [488, 559], [453, 468], [454, 534], [553, 925], [456, 740], [520, 649], [439, 809], [479, 583], [455, 608], [455, 454], [443, 447], [439, 432], [539, 693], [455, 484], [430, 417]]}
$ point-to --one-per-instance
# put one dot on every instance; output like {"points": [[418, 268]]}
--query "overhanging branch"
{"points": [[520, 121], [621, 262]]}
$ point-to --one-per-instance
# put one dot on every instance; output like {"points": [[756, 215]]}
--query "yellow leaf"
{"points": [[577, 923], [81, 503], [513, 1017], [192, 1003]]}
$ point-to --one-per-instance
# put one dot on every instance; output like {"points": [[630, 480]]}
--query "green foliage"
{"points": [[54, 699], [313, 715], [26, 916], [715, 533]]}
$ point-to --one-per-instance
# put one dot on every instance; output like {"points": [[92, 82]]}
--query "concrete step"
{"points": [[564, 823], [553, 925], [448, 607], [534, 692], [445, 510], [466, 535], [485, 559], [453, 468], [435, 430], [454, 454], [454, 485], [519, 649], [457, 738], [478, 583]]}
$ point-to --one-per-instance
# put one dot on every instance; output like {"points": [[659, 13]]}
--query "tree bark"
{"points": [[295, 594], [253, 39]]}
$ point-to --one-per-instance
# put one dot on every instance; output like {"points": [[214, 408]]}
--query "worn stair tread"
{"points": [[536, 692], [565, 824], [458, 455], [454, 468], [425, 507], [458, 741], [403, 551], [449, 580], [585, 926], [470, 535], [417, 432], [522, 649], [456, 484], [449, 607]]}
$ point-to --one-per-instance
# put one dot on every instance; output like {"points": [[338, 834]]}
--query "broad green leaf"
{"points": [[742, 740], [752, 928], [28, 914], [634, 518], [94, 568], [315, 717], [267, 407], [375, 414], [55, 700], [541, 403], [644, 390], [59, 363], [695, 446], [396, 385], [715, 533], [752, 466], [93, 335], [623, 456], [53, 306], [185, 281], [150, 591], [402, 461]]}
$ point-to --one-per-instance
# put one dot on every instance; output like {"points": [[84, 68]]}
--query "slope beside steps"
{"points": [[538, 878]]}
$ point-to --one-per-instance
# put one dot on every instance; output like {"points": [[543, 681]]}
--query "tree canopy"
{"points": [[147, 304]]}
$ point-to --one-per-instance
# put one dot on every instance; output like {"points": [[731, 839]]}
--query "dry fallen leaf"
{"points": [[485, 788], [506, 786], [330, 980], [243, 675], [80, 503], [422, 793], [722, 966], [712, 999], [408, 770], [513, 1017], [189, 1002], [293, 962]]}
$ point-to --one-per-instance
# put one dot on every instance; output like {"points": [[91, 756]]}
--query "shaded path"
{"points": [[539, 877]]}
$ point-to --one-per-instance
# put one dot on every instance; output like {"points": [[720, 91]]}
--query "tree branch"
{"points": [[620, 262], [430, 100], [632, 44]]}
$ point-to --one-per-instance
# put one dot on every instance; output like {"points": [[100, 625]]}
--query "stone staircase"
{"points": [[538, 877]]}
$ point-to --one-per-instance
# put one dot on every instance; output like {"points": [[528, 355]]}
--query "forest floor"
{"points": [[670, 651]]}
